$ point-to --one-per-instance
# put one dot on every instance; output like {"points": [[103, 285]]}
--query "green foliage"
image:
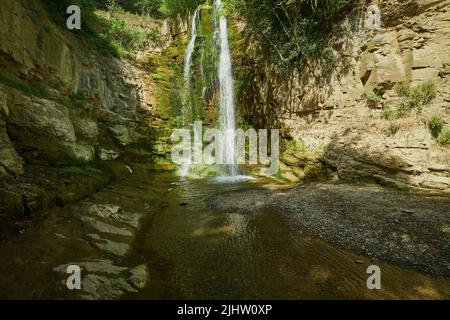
{"points": [[143, 7], [171, 8], [393, 128], [415, 97], [293, 31], [402, 89], [436, 125], [117, 31], [444, 137], [33, 88], [110, 32], [78, 99], [149, 7], [390, 114], [373, 98], [57, 11]]}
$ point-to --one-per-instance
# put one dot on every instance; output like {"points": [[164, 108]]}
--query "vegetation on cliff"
{"points": [[292, 31], [103, 25]]}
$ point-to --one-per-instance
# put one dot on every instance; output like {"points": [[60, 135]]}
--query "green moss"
{"points": [[306, 165], [318, 172], [33, 88], [83, 171]]}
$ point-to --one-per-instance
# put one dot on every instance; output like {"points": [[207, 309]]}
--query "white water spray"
{"points": [[188, 58], [226, 118]]}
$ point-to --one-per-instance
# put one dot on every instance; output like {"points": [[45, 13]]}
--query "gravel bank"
{"points": [[409, 229]]}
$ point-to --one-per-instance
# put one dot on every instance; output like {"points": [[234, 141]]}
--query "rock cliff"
{"points": [[64, 104], [352, 119]]}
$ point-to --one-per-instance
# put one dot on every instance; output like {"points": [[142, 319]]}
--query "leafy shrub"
{"points": [[293, 31], [110, 33], [444, 137], [57, 11], [403, 89], [415, 97], [373, 98], [390, 114], [172, 8], [436, 125], [426, 92], [149, 7]]}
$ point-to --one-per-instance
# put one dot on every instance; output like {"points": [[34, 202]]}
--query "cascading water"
{"points": [[226, 118], [226, 92], [188, 58]]}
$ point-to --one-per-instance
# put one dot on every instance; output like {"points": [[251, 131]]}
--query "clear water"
{"points": [[193, 251]]}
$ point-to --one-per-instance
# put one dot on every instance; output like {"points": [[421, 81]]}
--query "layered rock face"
{"points": [[62, 103], [334, 117]]}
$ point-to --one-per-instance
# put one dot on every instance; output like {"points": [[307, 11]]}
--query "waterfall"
{"points": [[225, 79], [188, 58], [226, 117]]}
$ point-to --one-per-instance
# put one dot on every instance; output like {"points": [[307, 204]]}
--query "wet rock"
{"points": [[139, 276], [104, 210], [106, 228], [11, 209], [114, 212], [43, 131], [102, 279], [10, 161], [113, 247], [94, 266], [97, 287], [108, 154]]}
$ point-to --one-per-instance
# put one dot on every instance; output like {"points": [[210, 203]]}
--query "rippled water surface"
{"points": [[195, 252]]}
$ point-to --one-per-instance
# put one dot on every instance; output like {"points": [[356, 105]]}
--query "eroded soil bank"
{"points": [[148, 235]]}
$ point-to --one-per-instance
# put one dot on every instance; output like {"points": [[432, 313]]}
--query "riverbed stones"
{"points": [[106, 228], [367, 219], [110, 231], [139, 276], [108, 154], [102, 279], [116, 248]]}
